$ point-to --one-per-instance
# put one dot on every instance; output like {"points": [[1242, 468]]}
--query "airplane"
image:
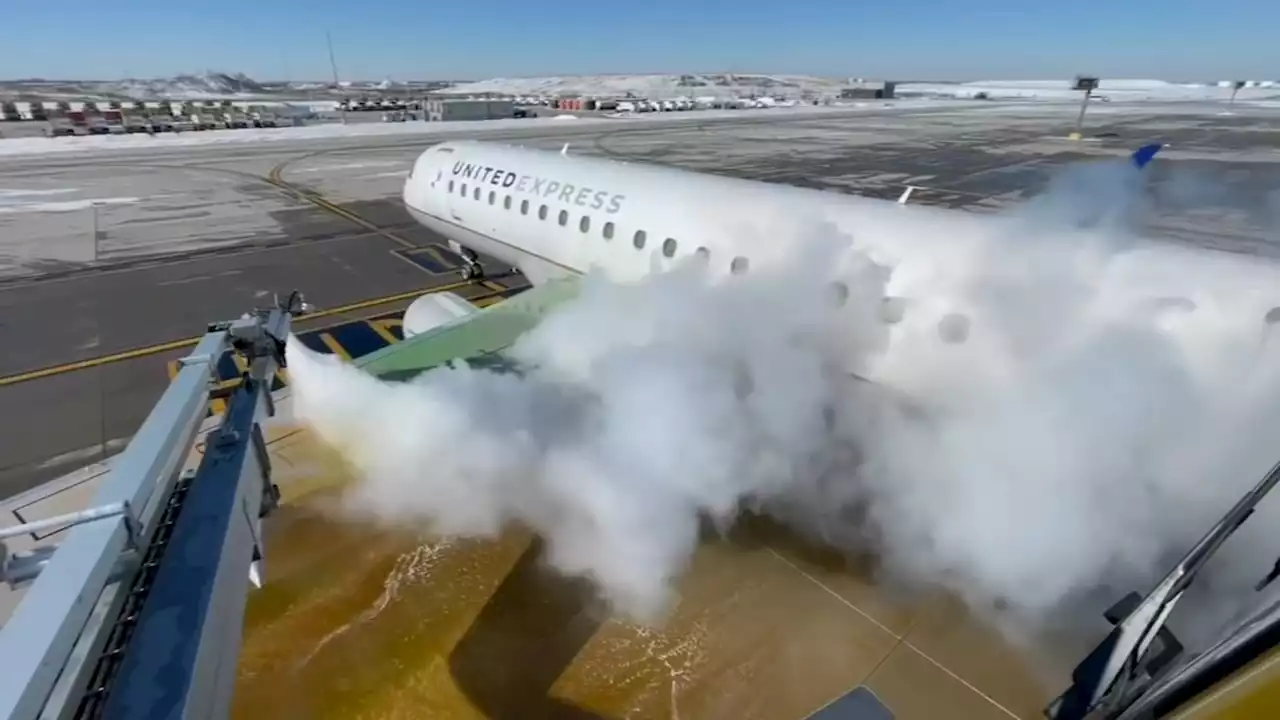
{"points": [[553, 215]]}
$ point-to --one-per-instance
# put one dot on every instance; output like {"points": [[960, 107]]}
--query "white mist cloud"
{"points": [[1037, 427]]}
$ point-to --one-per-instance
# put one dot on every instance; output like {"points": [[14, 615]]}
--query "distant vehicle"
{"points": [[114, 121], [264, 120], [180, 124], [136, 124], [59, 127], [520, 113], [77, 119], [236, 120], [205, 121], [160, 123]]}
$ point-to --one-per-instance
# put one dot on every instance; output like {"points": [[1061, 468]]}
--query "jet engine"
{"points": [[434, 310]]}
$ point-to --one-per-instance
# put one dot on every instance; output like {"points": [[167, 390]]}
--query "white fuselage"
{"points": [[552, 214]]}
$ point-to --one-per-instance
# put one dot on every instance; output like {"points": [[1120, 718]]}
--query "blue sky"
{"points": [[436, 39]]}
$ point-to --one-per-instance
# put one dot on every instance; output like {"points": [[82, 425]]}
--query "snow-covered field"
{"points": [[656, 87], [1116, 90], [722, 85]]}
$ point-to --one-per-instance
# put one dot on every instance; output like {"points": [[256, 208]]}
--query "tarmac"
{"points": [[769, 627], [117, 254]]}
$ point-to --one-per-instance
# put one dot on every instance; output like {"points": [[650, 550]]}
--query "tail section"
{"points": [[1145, 154]]}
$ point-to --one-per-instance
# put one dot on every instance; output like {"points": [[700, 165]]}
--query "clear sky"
{"points": [[474, 39]]}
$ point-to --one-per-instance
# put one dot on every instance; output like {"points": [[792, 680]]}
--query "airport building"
{"points": [[443, 109], [865, 90]]}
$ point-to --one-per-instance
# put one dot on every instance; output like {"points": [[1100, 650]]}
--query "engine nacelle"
{"points": [[433, 310]]}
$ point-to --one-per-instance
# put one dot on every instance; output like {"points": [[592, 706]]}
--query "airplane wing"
{"points": [[477, 337]]}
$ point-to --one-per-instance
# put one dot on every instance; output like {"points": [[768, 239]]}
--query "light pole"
{"points": [[93, 208], [1088, 85], [1235, 88], [336, 86]]}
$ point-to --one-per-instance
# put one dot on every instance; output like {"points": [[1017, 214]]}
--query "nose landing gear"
{"points": [[471, 268]]}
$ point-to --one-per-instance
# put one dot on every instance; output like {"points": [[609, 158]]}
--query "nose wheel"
{"points": [[471, 268]]}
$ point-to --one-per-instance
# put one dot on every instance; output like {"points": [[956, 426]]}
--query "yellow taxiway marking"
{"points": [[275, 177], [189, 342], [383, 328], [334, 346]]}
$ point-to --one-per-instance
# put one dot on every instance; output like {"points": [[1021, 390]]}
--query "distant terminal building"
{"points": [[867, 90], [445, 109]]}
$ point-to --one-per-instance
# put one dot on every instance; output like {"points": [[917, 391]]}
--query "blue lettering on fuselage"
{"points": [[564, 192]]}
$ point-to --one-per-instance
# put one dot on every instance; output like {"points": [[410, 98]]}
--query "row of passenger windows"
{"points": [[639, 239]]}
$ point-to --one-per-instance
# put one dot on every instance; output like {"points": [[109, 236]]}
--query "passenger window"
{"points": [[638, 240], [476, 194], [608, 231], [564, 218], [463, 190], [584, 224], [739, 266], [506, 203], [492, 197], [702, 254], [669, 247], [524, 207], [542, 212], [450, 186]]}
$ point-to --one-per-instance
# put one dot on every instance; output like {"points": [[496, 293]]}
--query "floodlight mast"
{"points": [[1235, 88], [1088, 85]]}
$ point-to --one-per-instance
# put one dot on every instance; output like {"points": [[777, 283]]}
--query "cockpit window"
{"points": [[443, 149]]}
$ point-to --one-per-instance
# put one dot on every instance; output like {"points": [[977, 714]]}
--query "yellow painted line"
{"points": [[179, 344], [334, 346], [379, 327], [275, 178]]}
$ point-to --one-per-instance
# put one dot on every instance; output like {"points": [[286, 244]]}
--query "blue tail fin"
{"points": [[1145, 154]]}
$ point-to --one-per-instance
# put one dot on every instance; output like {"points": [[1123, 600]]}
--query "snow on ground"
{"points": [[656, 86], [1115, 90], [44, 145], [724, 85]]}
